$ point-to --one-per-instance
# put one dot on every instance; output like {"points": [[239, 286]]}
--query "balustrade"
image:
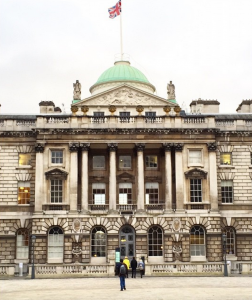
{"points": [[26, 123], [58, 120]]}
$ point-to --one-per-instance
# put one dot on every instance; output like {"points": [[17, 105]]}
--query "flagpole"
{"points": [[121, 35]]}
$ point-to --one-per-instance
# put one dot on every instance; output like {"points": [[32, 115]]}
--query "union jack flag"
{"points": [[115, 11]]}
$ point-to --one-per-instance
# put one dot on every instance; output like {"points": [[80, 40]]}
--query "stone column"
{"points": [[112, 176], [140, 177], [168, 177], [213, 187], [84, 176], [39, 177], [179, 176], [73, 180]]}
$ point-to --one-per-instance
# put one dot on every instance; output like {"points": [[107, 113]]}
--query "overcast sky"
{"points": [[203, 46]]}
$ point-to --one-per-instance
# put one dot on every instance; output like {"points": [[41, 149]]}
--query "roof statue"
{"points": [[171, 91], [77, 90]]}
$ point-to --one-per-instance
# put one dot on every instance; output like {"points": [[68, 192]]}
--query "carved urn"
{"points": [[167, 109], [112, 109], [84, 109], [74, 109], [177, 109], [139, 109]]}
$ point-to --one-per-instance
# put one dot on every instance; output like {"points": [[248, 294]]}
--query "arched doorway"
{"points": [[127, 241]]}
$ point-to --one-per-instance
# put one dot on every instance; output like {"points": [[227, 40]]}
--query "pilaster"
{"points": [[112, 147], [140, 176]]}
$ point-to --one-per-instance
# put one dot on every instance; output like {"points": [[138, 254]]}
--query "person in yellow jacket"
{"points": [[127, 263]]}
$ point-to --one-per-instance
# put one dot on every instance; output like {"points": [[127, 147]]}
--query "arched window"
{"points": [[55, 244], [230, 244], [22, 244], [99, 242], [197, 241], [155, 237]]}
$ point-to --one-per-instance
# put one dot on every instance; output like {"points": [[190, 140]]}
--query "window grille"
{"points": [[24, 192], [227, 191], [195, 190], [197, 241], [99, 242], [151, 193], [155, 237], [56, 190], [57, 157], [55, 243], [22, 244]]}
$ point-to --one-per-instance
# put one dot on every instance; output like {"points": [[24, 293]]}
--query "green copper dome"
{"points": [[121, 72]]}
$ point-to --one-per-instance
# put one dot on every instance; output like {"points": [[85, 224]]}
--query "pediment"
{"points": [[125, 95], [196, 173], [125, 177], [56, 174]]}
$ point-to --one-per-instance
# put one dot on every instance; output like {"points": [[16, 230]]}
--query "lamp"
{"points": [[224, 240], [33, 240]]}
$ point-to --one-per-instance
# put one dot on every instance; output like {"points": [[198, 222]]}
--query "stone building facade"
{"points": [[130, 170]]}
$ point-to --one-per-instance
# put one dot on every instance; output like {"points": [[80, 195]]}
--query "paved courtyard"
{"points": [[158, 288]]}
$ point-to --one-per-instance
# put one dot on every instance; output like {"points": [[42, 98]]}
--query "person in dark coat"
{"points": [[122, 275], [141, 267], [133, 265]]}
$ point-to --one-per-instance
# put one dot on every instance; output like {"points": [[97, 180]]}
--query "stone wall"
{"points": [[8, 250], [244, 247], [86, 249], [185, 248], [214, 248], [68, 256], [141, 246], [112, 243], [40, 250], [168, 255]]}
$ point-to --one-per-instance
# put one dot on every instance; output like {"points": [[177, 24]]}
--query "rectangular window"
{"points": [[227, 191], [195, 190], [24, 159], [151, 193], [56, 190], [99, 195], [125, 193], [99, 162], [225, 158], [151, 161], [124, 162], [57, 156], [98, 114], [195, 157], [24, 192], [22, 244]]}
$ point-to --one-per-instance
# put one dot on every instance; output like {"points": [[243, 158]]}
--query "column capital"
{"points": [[39, 147], [84, 146], [167, 146], [178, 146], [112, 146], [211, 147], [140, 146], [73, 147]]}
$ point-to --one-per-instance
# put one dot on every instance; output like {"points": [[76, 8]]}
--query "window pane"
{"points": [[55, 243], [24, 192], [197, 241], [57, 156], [155, 236], [99, 242], [195, 190], [24, 159], [227, 191], [124, 161], [22, 244], [195, 157], [99, 162], [56, 191], [225, 158], [151, 161]]}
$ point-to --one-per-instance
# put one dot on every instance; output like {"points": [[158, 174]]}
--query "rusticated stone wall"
{"points": [[86, 249], [7, 246], [244, 247], [168, 255], [141, 246], [68, 257], [40, 250], [214, 248], [185, 248], [112, 243]]}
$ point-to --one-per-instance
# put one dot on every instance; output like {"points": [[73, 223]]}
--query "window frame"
{"points": [[231, 240], [222, 163], [26, 240], [101, 247], [98, 168], [125, 189], [151, 200], [56, 245], [58, 196], [197, 191], [21, 186], [29, 160], [153, 246], [227, 191], [102, 187], [195, 164], [60, 164], [147, 164], [127, 167], [198, 247]]}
